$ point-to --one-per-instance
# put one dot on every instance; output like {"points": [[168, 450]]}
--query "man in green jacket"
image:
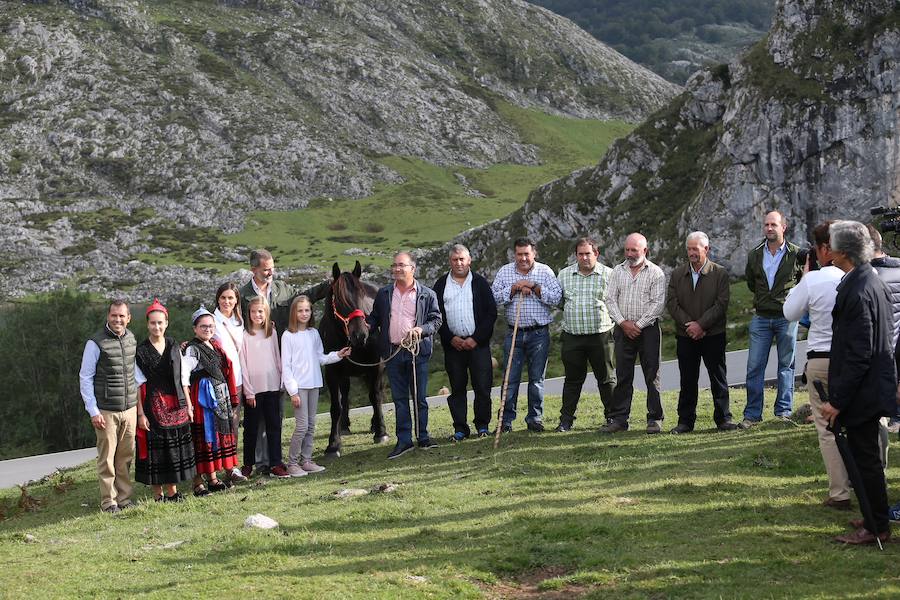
{"points": [[277, 292], [772, 269], [697, 299]]}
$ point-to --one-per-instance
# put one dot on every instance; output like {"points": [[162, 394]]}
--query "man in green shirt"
{"points": [[587, 330]]}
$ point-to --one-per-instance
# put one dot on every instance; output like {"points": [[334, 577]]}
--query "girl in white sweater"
{"points": [[302, 355]]}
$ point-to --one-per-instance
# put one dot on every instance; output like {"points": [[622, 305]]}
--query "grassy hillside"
{"points": [[706, 515], [430, 207]]}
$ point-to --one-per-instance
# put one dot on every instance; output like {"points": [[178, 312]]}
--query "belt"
{"points": [[815, 354], [532, 328]]}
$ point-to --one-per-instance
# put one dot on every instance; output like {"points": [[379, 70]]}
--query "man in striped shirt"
{"points": [[534, 285], [636, 301], [587, 330]]}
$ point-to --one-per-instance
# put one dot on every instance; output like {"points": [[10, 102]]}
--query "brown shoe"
{"points": [[838, 504], [856, 523], [862, 536], [613, 427]]}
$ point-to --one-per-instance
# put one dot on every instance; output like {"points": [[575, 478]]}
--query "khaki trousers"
{"points": [[838, 482], [115, 451]]}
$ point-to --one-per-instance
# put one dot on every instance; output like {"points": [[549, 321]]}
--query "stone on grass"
{"points": [[260, 521], [350, 493]]}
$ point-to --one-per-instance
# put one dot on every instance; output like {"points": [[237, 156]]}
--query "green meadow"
{"points": [[429, 208], [704, 515]]}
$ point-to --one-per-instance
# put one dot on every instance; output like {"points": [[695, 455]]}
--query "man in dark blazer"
{"points": [[469, 311], [401, 311], [698, 299], [862, 380]]}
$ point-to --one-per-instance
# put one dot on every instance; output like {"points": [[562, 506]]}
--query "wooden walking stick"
{"points": [[503, 388]]}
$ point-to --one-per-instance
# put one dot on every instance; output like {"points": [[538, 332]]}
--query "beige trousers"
{"points": [[838, 482], [115, 451]]}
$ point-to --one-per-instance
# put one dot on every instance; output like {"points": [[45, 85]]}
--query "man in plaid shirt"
{"points": [[534, 285], [587, 330], [636, 300]]}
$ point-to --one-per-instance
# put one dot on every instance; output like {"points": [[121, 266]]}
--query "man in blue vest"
{"points": [[109, 391]]}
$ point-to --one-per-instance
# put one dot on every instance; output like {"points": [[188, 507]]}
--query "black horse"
{"points": [[344, 324]]}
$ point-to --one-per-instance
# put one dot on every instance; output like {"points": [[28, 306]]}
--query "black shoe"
{"points": [[458, 436], [536, 427], [506, 428], [681, 428], [112, 508], [427, 444], [483, 432], [728, 426], [563, 427], [176, 497], [219, 486], [400, 450]]}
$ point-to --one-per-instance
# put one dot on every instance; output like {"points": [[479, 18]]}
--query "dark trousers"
{"points": [[647, 346], [267, 409], [577, 351], [460, 366], [400, 377], [863, 442], [712, 350]]}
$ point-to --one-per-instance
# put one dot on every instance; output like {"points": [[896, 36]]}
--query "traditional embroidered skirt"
{"points": [[165, 454], [211, 457]]}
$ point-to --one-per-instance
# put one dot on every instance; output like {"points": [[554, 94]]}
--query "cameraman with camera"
{"points": [[888, 269], [815, 294]]}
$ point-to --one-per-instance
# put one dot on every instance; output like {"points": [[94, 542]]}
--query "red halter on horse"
{"points": [[356, 314]]}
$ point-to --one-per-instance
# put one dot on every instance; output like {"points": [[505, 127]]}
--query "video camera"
{"points": [[890, 218]]}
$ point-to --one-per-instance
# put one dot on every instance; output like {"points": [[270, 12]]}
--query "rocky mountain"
{"points": [[805, 122], [674, 38], [124, 123]]}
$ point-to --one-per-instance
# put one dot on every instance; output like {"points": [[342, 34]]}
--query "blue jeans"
{"points": [[762, 331], [399, 372], [534, 347]]}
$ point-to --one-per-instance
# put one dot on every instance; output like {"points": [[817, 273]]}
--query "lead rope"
{"points": [[411, 343]]}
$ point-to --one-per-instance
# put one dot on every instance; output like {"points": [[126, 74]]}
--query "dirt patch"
{"points": [[527, 586]]}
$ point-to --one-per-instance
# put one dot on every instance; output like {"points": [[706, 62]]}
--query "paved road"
{"points": [[21, 470]]}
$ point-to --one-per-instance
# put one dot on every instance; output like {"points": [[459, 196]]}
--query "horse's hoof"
{"points": [[345, 431], [380, 439], [331, 453]]}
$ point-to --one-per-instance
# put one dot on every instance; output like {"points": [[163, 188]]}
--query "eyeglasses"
{"points": [[400, 265], [206, 327]]}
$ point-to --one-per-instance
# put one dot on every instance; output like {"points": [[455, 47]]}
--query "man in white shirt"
{"points": [[469, 313], [109, 391], [815, 294]]}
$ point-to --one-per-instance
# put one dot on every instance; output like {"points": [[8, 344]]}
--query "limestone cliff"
{"points": [[806, 122]]}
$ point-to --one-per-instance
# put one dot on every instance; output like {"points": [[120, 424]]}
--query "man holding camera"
{"points": [[815, 295]]}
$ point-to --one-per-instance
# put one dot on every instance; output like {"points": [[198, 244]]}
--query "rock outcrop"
{"points": [[805, 122], [124, 121]]}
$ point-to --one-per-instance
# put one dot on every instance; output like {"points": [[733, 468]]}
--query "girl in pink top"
{"points": [[302, 357], [261, 371]]}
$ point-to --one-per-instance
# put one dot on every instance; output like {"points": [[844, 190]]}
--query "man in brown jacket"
{"points": [[698, 301]]}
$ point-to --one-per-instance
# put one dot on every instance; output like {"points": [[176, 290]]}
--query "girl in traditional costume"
{"points": [[208, 379], [165, 450]]}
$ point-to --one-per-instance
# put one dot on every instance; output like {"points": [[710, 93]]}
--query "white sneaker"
{"points": [[236, 474], [311, 467], [296, 471]]}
